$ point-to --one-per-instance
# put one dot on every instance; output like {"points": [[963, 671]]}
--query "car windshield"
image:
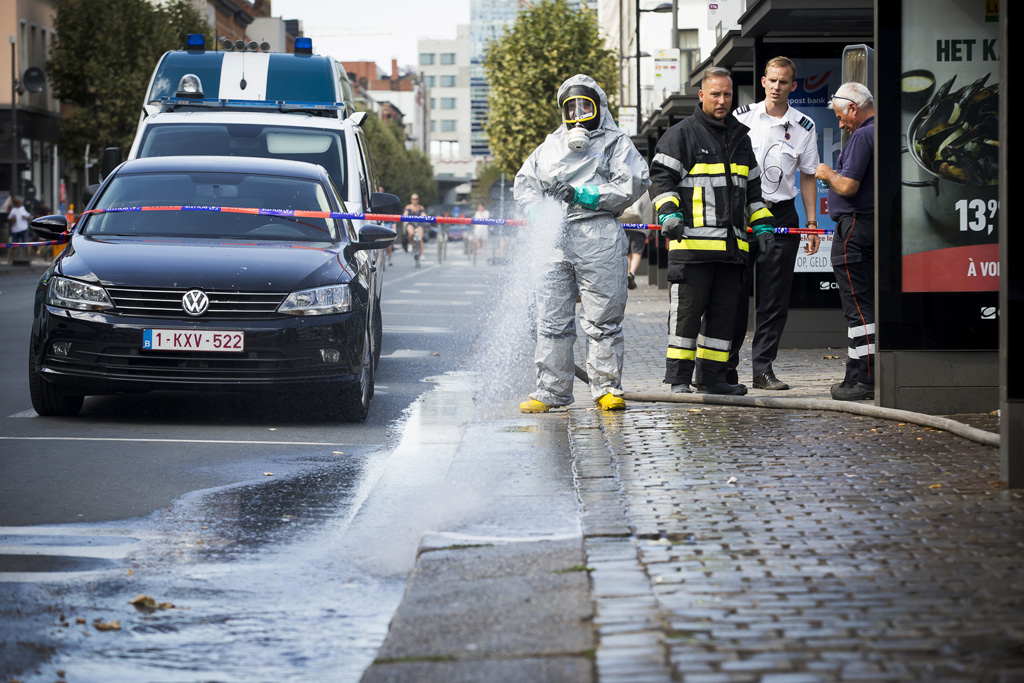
{"points": [[323, 147], [200, 195]]}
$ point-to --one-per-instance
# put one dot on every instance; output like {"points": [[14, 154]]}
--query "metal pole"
{"points": [[622, 56], [14, 124], [639, 109], [675, 24]]}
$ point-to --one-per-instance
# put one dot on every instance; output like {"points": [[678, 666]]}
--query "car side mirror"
{"points": [[385, 202], [374, 236], [50, 228], [111, 160], [89, 192]]}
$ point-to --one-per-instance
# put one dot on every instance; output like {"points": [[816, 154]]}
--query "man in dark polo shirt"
{"points": [[851, 204]]}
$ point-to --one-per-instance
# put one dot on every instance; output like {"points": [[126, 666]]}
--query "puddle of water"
{"points": [[261, 578]]}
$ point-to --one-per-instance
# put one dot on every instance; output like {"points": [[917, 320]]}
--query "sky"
{"points": [[378, 30]]}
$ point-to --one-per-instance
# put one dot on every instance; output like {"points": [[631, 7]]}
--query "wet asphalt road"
{"points": [[231, 507]]}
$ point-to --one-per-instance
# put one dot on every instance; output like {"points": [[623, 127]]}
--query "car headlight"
{"points": [[318, 301], [79, 296]]}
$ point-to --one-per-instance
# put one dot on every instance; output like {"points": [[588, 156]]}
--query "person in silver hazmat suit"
{"points": [[594, 171]]}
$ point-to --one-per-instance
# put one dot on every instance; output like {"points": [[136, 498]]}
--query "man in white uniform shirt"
{"points": [[784, 142]]}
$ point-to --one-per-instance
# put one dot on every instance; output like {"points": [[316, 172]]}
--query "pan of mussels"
{"points": [[954, 141]]}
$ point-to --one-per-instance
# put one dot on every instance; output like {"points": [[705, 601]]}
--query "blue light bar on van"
{"points": [[290, 105], [304, 46], [195, 41]]}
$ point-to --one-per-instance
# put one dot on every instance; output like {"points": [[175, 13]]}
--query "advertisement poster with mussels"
{"points": [[950, 167]]}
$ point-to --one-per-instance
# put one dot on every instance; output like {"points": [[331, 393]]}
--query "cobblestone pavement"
{"points": [[732, 544]]}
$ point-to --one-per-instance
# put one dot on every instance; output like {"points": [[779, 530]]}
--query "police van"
{"points": [[253, 103], [244, 101]]}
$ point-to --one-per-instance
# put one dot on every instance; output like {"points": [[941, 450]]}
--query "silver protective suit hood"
{"points": [[610, 162], [605, 116]]}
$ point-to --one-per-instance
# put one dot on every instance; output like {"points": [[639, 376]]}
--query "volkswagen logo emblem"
{"points": [[195, 302]]}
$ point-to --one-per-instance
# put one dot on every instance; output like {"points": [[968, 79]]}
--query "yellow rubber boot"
{"points": [[532, 405], [611, 402]]}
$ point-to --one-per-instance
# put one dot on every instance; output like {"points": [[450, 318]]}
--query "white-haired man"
{"points": [[851, 204]]}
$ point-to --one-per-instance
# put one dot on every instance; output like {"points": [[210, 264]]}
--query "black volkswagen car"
{"points": [[210, 274]]}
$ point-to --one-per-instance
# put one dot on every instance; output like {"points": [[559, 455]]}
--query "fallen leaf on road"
{"points": [[732, 480], [101, 625], [268, 474], [148, 604], [143, 602], [935, 486], [337, 453]]}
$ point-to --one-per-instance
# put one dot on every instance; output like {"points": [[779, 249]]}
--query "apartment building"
{"points": [[444, 68], [29, 155], [402, 93]]}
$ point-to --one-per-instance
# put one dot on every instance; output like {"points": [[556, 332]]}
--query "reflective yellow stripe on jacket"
{"points": [[705, 245]]}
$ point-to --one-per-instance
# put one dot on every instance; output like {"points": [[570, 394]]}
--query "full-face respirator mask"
{"points": [[580, 114]]}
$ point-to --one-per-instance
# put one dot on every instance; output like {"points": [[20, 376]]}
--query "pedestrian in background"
{"points": [[707, 189], [479, 234], [641, 211], [591, 167], [18, 218], [414, 231], [784, 142], [851, 204]]}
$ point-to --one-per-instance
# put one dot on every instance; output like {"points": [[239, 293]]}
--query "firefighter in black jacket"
{"points": [[707, 189]]}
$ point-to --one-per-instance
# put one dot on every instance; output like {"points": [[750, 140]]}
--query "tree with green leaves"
{"points": [[546, 45], [400, 171], [486, 175], [101, 59]]}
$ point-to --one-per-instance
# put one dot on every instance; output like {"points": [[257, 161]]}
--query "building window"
{"points": [[433, 126], [426, 58], [447, 103], [447, 81], [447, 125], [429, 81], [447, 57], [444, 149]]}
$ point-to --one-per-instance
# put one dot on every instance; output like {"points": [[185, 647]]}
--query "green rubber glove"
{"points": [[587, 196], [765, 235], [672, 226]]}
